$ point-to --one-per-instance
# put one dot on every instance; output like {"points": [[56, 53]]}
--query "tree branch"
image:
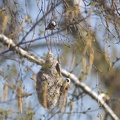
{"points": [[89, 91], [19, 50], [39, 61]]}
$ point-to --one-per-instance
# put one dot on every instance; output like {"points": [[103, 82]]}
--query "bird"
{"points": [[63, 94], [65, 86], [51, 25]]}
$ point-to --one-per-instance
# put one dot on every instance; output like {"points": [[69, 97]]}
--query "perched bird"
{"points": [[63, 96], [51, 25], [65, 86]]}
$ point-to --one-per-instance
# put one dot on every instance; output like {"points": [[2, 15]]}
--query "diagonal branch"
{"points": [[39, 61], [91, 93], [19, 50]]}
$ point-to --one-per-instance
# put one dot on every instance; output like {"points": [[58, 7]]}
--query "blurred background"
{"points": [[86, 39]]}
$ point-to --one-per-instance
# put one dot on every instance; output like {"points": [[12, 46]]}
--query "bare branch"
{"points": [[19, 50]]}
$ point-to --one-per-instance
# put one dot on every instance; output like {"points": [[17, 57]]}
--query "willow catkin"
{"points": [[19, 97], [88, 44], [91, 60], [84, 65], [5, 90], [49, 82], [71, 106], [4, 25], [63, 106], [45, 95]]}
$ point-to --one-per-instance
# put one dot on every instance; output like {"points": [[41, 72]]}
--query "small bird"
{"points": [[65, 86], [64, 91], [51, 25]]}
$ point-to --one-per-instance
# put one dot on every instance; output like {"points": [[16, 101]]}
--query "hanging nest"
{"points": [[49, 82]]}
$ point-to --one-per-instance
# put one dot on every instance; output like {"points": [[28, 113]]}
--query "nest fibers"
{"points": [[49, 82]]}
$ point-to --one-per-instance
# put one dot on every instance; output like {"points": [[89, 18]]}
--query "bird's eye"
{"points": [[68, 80]]}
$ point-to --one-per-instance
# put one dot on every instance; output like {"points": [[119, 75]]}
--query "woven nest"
{"points": [[49, 82]]}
